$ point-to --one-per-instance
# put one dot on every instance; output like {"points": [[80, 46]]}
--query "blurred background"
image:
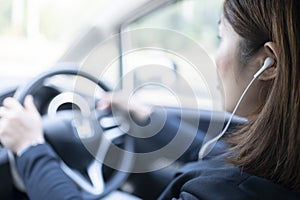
{"points": [[36, 34]]}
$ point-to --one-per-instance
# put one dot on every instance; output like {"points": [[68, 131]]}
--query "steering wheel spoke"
{"points": [[95, 185]]}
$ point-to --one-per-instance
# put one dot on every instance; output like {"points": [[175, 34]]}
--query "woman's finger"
{"points": [[3, 111], [105, 102], [11, 103], [29, 104]]}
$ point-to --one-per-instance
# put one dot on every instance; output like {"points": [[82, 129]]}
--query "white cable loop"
{"points": [[208, 146]]}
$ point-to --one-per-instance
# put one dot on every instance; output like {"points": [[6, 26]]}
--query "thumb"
{"points": [[105, 102], [29, 104]]}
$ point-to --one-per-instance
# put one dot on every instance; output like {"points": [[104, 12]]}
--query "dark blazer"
{"points": [[213, 179], [42, 176], [208, 179]]}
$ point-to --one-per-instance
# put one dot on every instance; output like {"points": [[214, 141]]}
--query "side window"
{"points": [[191, 28]]}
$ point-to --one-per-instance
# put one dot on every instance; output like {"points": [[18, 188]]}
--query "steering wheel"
{"points": [[66, 139]]}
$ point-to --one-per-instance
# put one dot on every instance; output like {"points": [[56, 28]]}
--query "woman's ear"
{"points": [[270, 50]]}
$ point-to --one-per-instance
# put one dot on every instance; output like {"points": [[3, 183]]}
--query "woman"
{"points": [[264, 161]]}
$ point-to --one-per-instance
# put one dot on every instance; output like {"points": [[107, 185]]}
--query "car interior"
{"points": [[113, 53]]}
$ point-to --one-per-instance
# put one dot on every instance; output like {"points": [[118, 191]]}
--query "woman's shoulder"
{"points": [[213, 179]]}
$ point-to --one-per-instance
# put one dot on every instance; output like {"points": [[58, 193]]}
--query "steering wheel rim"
{"points": [[116, 179]]}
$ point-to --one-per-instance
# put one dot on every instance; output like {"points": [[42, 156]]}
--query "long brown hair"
{"points": [[269, 145]]}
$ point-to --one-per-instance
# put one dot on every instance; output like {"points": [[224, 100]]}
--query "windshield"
{"points": [[34, 34]]}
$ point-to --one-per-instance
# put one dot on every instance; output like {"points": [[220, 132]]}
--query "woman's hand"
{"points": [[20, 127], [123, 103]]}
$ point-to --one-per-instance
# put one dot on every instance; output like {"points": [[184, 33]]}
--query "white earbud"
{"points": [[268, 63]]}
